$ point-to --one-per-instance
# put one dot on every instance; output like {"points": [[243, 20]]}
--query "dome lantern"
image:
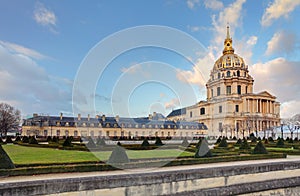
{"points": [[228, 44]]}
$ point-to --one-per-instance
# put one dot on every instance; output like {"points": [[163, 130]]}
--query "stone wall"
{"points": [[241, 179]]}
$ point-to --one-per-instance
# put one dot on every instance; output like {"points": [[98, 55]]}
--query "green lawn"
{"points": [[33, 155]]}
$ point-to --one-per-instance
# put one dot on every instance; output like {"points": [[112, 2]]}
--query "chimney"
{"points": [[79, 116], [88, 117], [150, 116], [117, 118], [97, 116], [35, 115], [154, 114], [103, 117], [61, 116]]}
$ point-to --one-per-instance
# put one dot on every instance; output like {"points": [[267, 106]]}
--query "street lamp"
{"points": [[281, 130]]}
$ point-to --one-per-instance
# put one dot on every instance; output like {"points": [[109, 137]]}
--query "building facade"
{"points": [[111, 127], [231, 108]]}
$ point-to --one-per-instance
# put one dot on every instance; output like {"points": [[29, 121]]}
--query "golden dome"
{"points": [[229, 59]]}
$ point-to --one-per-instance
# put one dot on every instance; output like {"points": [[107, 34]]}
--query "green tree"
{"points": [[9, 118]]}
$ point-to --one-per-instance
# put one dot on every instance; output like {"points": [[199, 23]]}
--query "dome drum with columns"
{"points": [[231, 108]]}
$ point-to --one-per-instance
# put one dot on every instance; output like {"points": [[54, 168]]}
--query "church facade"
{"points": [[232, 108]]}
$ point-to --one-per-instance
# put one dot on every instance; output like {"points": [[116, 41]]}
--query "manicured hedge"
{"points": [[137, 164]]}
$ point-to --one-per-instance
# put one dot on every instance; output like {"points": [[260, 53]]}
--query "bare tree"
{"points": [[9, 118], [291, 125]]}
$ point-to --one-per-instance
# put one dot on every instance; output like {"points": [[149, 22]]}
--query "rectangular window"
{"points": [[228, 90], [107, 133], [246, 89], [220, 109], [236, 108], [45, 133], [202, 111], [239, 89], [218, 91], [75, 133], [191, 114], [220, 126], [58, 133]]}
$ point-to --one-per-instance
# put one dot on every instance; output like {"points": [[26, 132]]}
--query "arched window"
{"points": [[228, 74], [238, 73], [219, 75]]}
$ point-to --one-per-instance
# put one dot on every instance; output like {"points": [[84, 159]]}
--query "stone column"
{"points": [[260, 107]]}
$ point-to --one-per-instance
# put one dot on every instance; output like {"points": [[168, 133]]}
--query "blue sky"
{"points": [[43, 44]]}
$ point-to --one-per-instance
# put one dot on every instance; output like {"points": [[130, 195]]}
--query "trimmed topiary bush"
{"points": [[1, 141], [5, 161], [145, 143], [280, 143], [223, 143], [260, 149], [100, 142], [203, 149], [8, 140], [266, 141], [118, 155], [253, 140], [234, 138], [291, 141], [218, 140], [271, 139], [158, 141], [239, 141], [185, 142], [91, 143], [245, 145], [18, 139], [68, 142], [55, 139], [259, 138], [49, 139], [32, 140], [25, 139]]}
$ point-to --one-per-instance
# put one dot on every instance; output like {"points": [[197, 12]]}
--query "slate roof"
{"points": [[111, 122], [177, 112]]}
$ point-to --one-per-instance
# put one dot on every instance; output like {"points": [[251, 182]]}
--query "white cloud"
{"points": [[192, 3], [28, 86], [201, 70], [252, 40], [231, 15], [213, 4], [278, 9], [173, 103], [281, 42], [15, 48], [289, 109], [281, 78], [44, 16]]}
